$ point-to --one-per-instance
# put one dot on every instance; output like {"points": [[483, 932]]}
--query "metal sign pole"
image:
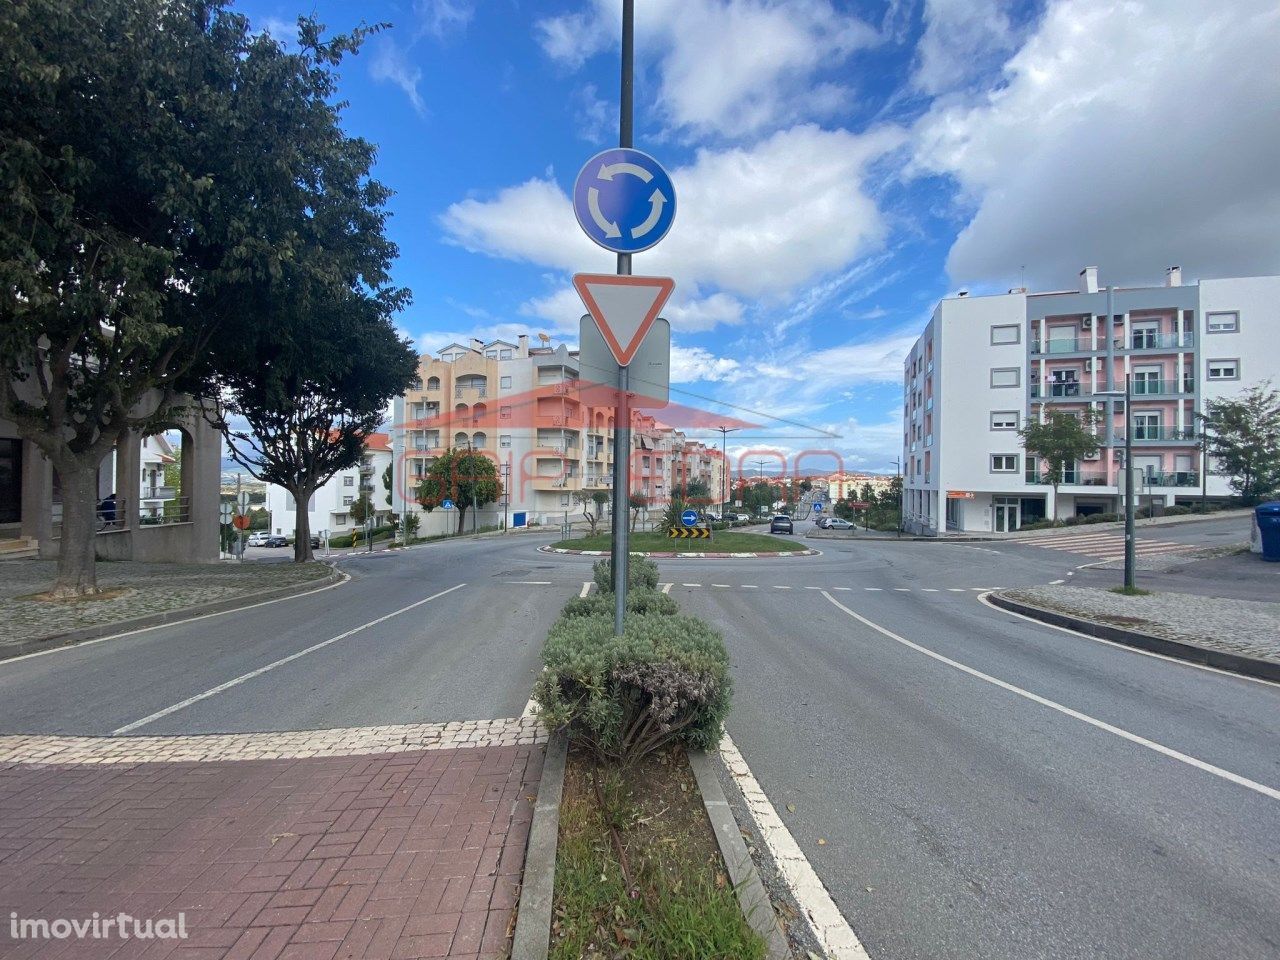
{"points": [[622, 415]]}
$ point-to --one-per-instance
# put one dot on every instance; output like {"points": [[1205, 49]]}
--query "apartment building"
{"points": [[841, 486], [985, 364], [550, 434], [330, 506]]}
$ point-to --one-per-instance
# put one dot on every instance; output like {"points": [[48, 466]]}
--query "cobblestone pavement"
{"points": [[154, 588], [1246, 627], [368, 855]]}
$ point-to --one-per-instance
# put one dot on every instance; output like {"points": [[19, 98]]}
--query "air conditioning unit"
{"points": [[1117, 456], [1088, 366], [1092, 456], [1086, 323]]}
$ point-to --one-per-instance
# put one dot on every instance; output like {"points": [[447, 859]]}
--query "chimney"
{"points": [[477, 345], [523, 342], [1089, 280], [1173, 276]]}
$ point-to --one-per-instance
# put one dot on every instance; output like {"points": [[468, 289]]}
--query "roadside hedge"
{"points": [[642, 574], [638, 601], [666, 679]]}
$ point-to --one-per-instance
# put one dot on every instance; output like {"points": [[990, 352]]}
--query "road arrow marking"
{"points": [[608, 226], [607, 171], [656, 202]]}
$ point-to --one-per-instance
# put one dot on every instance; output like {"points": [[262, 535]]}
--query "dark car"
{"points": [[781, 524], [276, 540]]}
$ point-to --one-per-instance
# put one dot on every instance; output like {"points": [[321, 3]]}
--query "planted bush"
{"points": [[638, 601], [642, 574], [665, 679]]}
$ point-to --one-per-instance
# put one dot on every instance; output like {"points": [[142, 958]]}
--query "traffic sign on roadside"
{"points": [[448, 504], [225, 513], [689, 518], [241, 521], [817, 506], [649, 372], [244, 499], [623, 307], [624, 200]]}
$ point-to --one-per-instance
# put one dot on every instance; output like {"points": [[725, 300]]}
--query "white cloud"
{"points": [[442, 17], [690, 315], [752, 221], [696, 364], [391, 64], [1129, 134], [962, 39], [562, 310], [727, 67]]}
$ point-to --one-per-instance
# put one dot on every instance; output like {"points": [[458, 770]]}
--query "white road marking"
{"points": [[1054, 583], [722, 586], [978, 589], [844, 588], [813, 588], [955, 589], [690, 584], [344, 578], [780, 587], [929, 589], [982, 599], [828, 924], [532, 583], [666, 587], [213, 691], [586, 588], [749, 586], [901, 589], [873, 589], [1160, 748]]}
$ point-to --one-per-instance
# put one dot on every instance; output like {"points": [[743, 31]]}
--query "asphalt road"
{"points": [[985, 787]]}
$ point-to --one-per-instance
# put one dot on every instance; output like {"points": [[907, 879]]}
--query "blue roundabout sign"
{"points": [[624, 200]]}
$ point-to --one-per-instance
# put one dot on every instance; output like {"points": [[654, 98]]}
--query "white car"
{"points": [[258, 538]]}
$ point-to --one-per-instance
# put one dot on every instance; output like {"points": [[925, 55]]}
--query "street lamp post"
{"points": [[1129, 544], [724, 465]]}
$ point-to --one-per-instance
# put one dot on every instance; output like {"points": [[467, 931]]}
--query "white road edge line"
{"points": [[344, 578], [213, 691], [982, 599], [832, 930], [1160, 748], [666, 587], [586, 588], [532, 583]]}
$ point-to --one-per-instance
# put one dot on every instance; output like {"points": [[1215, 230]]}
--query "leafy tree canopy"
{"points": [[1243, 436]]}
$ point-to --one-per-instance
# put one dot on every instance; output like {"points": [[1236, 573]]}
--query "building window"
{"points": [[1004, 463], [347, 501], [1224, 369], [564, 499], [504, 413], [348, 481], [504, 383], [1006, 376], [1003, 334], [491, 354], [504, 440], [504, 354], [433, 383], [340, 519], [1226, 322], [1004, 420]]}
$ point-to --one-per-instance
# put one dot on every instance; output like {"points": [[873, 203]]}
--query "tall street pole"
{"points": [[620, 547], [1128, 485], [724, 465]]}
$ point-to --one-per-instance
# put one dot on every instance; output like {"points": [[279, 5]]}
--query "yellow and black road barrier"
{"points": [[688, 533]]}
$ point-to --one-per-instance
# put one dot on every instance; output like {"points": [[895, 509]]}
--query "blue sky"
{"points": [[840, 166]]}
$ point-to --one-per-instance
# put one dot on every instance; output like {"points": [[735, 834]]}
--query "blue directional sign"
{"points": [[624, 200], [689, 518], [448, 504]]}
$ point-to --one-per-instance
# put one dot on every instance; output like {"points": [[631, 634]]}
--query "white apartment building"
{"points": [[549, 434], [985, 364], [330, 506]]}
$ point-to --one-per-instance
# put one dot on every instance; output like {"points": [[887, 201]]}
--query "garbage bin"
{"points": [[1268, 517]]}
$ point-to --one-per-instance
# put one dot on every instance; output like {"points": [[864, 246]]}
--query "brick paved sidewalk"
{"points": [[391, 855]]}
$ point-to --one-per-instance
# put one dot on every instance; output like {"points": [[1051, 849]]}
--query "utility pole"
{"points": [[902, 494], [1128, 484], [724, 464], [239, 532], [620, 547]]}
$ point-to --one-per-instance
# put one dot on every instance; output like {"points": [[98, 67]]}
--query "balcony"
{"points": [[1149, 434], [1060, 391], [1141, 340], [1062, 345], [558, 484], [470, 390], [158, 493], [1177, 478], [1162, 388], [557, 422], [1071, 478]]}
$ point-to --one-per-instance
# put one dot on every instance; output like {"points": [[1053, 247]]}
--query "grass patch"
{"points": [[674, 900], [1130, 591], [722, 541]]}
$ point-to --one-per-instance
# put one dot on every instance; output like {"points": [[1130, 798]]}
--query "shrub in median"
{"points": [[665, 679], [638, 601], [642, 574]]}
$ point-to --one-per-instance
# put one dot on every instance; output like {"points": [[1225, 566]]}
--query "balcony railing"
{"points": [[1078, 478], [1141, 340], [1142, 432], [1060, 391], [1062, 345], [158, 493], [479, 390], [1152, 388], [1177, 478]]}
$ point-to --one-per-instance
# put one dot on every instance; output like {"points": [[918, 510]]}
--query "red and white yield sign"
{"points": [[624, 308]]}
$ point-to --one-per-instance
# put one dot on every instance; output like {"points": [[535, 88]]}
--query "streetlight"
{"points": [[1128, 478], [724, 464]]}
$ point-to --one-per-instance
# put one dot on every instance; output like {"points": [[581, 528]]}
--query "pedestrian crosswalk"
{"points": [[1109, 546]]}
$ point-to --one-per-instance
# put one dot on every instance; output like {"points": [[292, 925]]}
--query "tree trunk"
{"points": [[462, 516], [77, 576], [1054, 518], [302, 526]]}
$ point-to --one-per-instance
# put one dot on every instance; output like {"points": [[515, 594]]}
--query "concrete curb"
{"points": [[532, 937], [20, 648], [664, 555], [1233, 662], [752, 897]]}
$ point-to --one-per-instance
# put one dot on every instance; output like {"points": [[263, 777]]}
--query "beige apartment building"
{"points": [[849, 485], [549, 434]]}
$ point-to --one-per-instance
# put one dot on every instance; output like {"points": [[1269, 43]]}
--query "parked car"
{"points": [[258, 538], [276, 540], [781, 524], [837, 523], [822, 522]]}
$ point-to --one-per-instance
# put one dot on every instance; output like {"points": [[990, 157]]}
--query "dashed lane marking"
{"points": [[586, 588]]}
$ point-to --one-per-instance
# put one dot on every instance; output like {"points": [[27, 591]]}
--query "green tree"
{"points": [[867, 494], [156, 158], [637, 502], [696, 491], [362, 509], [466, 477], [387, 481], [1243, 436], [592, 503], [1058, 442]]}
